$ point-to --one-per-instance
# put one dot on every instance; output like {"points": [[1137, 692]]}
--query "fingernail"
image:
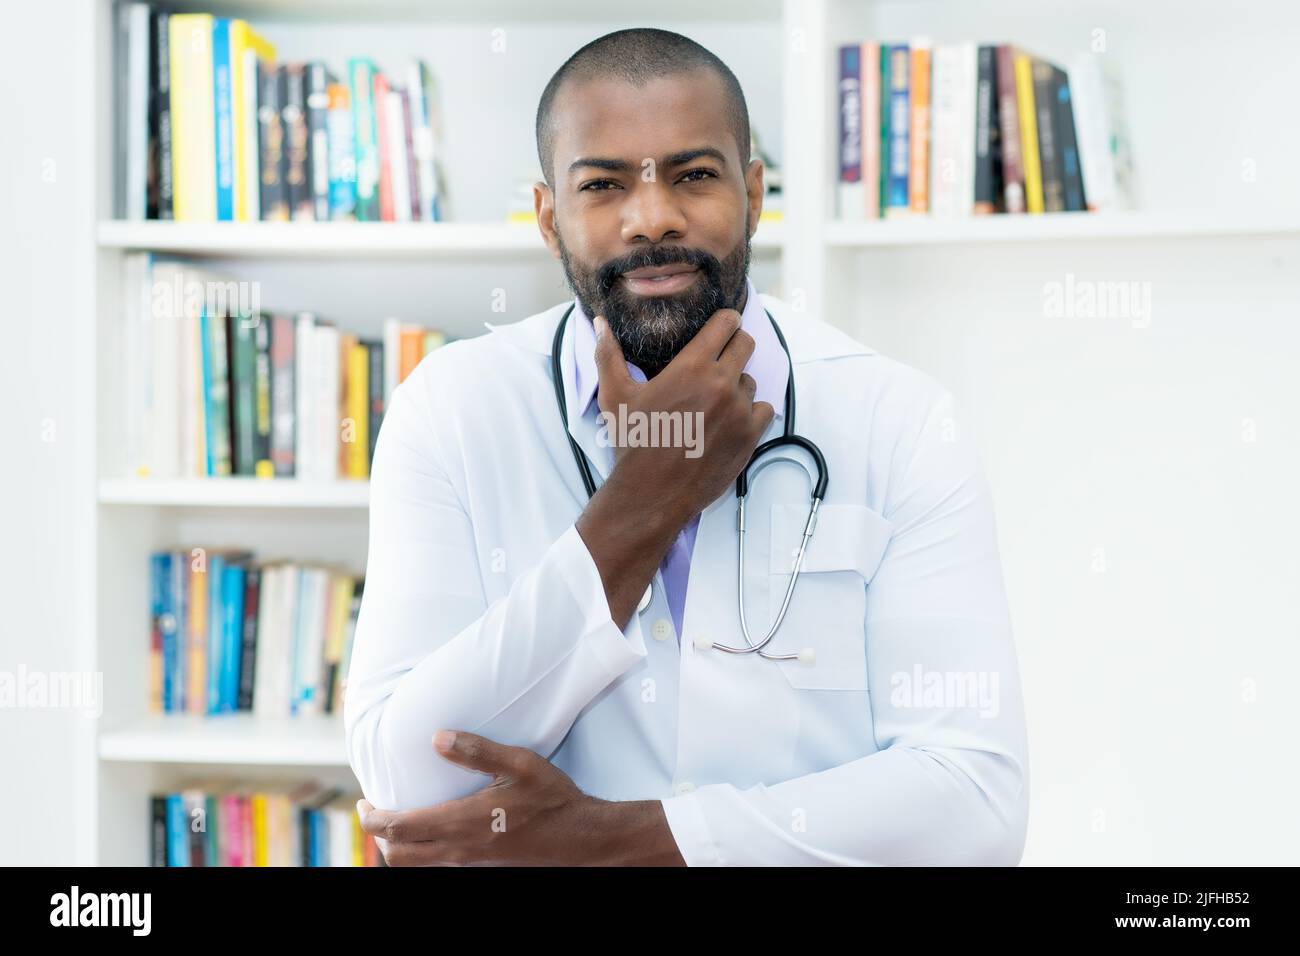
{"points": [[444, 739]]}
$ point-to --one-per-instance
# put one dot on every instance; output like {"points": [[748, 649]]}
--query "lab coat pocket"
{"points": [[828, 607]]}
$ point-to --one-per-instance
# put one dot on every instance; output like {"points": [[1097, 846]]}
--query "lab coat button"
{"points": [[684, 787], [662, 629]]}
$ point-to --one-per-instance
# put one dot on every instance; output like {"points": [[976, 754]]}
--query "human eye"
{"points": [[698, 175], [597, 185]]}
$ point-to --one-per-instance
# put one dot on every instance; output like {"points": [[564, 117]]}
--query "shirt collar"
{"points": [[767, 366]]}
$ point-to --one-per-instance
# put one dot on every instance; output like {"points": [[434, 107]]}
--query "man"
{"points": [[502, 606]]}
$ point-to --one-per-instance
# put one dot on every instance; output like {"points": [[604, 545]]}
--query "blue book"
{"points": [[216, 638], [317, 830], [178, 831], [164, 611], [900, 122], [225, 137], [232, 634]]}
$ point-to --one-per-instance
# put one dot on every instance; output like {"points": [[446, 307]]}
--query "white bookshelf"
{"points": [[869, 278]]}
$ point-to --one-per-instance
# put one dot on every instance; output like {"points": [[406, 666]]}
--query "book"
{"points": [[361, 78], [193, 121], [223, 107], [293, 111], [319, 80], [989, 191], [248, 51], [1049, 158], [342, 154], [379, 99], [160, 121], [899, 152], [273, 194], [1028, 133], [1013, 170], [918, 174], [852, 202], [1067, 143]]}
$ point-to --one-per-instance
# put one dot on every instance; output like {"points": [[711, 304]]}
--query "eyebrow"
{"points": [[621, 165]]}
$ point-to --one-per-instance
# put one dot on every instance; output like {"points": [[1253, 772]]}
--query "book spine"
{"points": [[420, 86], [233, 634], [918, 178], [375, 383], [1028, 134], [886, 109], [160, 120], [283, 407], [178, 831], [899, 129], [274, 197], [869, 89], [194, 177], [1013, 169], [196, 686], [358, 402], [216, 632], [988, 165], [399, 178], [262, 466], [412, 167], [318, 81], [852, 204], [157, 830], [167, 626], [361, 78], [137, 106], [379, 97], [1068, 143], [342, 154], [248, 639], [159, 607], [243, 394], [180, 645], [293, 100], [218, 405], [304, 398], [223, 128], [1048, 151]]}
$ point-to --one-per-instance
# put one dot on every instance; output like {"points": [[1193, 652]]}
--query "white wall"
{"points": [[46, 468]]}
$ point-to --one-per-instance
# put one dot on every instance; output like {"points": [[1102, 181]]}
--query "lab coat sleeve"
{"points": [[430, 653], [949, 783]]}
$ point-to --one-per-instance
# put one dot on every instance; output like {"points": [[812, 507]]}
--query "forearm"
{"points": [[628, 528]]}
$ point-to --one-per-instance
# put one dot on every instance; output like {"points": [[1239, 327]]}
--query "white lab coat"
{"points": [[483, 611]]}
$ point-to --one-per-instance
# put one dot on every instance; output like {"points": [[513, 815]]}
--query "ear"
{"points": [[754, 192], [544, 206]]}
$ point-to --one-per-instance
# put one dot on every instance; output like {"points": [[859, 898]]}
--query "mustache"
{"points": [[608, 274]]}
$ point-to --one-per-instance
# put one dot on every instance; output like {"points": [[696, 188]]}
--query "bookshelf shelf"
{"points": [[240, 739], [234, 493], [351, 240], [924, 231]]}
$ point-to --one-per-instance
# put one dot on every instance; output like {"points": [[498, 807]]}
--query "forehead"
{"points": [[610, 118]]}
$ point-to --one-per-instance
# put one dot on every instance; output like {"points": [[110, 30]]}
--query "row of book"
{"points": [[960, 129], [215, 387], [216, 823], [229, 634], [211, 128]]}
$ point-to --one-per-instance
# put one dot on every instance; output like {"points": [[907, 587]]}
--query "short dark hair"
{"points": [[638, 56]]}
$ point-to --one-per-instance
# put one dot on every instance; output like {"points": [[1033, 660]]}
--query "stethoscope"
{"points": [[788, 437]]}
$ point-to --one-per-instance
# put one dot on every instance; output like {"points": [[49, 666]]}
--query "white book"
{"points": [[137, 110], [392, 344], [190, 375], [422, 136], [137, 360], [268, 609], [287, 645], [339, 830], [1104, 160], [400, 176], [327, 395], [304, 358], [251, 180], [945, 159], [311, 625], [967, 97]]}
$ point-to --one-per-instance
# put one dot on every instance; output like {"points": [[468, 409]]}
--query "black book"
{"points": [[273, 198], [158, 201], [988, 136], [1076, 199], [293, 110], [248, 637], [157, 830], [318, 108], [262, 397], [1049, 153]]}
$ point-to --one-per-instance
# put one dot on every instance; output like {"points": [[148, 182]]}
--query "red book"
{"points": [[381, 132]]}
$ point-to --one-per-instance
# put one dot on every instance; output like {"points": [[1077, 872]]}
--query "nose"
{"points": [[653, 214]]}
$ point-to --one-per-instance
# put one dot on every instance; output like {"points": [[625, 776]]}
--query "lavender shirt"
{"points": [[769, 369]]}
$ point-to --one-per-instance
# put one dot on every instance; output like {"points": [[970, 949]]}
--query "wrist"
{"points": [[633, 833]]}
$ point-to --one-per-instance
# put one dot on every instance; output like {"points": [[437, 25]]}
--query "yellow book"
{"points": [[358, 409], [261, 842], [1029, 134], [246, 49], [197, 692], [434, 339], [918, 174], [194, 149]]}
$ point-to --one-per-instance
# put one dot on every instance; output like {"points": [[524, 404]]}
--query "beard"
{"points": [[651, 330]]}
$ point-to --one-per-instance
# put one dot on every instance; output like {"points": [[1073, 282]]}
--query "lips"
{"points": [[660, 272]]}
